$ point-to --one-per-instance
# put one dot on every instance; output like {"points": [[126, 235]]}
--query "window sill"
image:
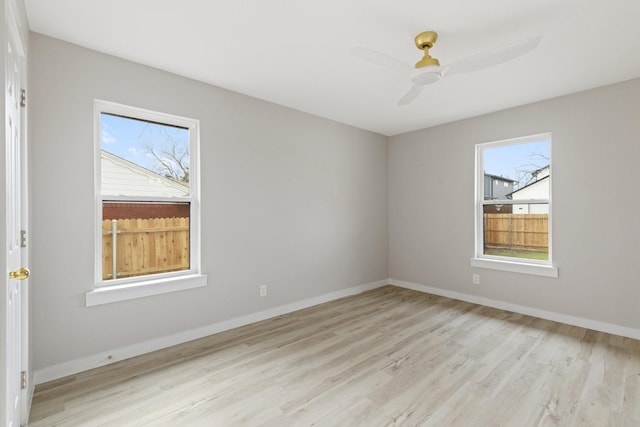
{"points": [[516, 267], [109, 294]]}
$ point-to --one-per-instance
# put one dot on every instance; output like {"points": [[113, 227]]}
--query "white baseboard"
{"points": [[521, 309], [71, 367], [31, 387]]}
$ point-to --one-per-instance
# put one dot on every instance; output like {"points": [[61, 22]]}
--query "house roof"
{"points": [[530, 184], [299, 53], [121, 177], [502, 178], [537, 172]]}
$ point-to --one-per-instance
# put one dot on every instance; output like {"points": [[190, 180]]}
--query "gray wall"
{"points": [[300, 203], [596, 226], [288, 199]]}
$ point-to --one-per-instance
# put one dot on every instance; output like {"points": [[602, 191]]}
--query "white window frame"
{"points": [[511, 264], [115, 290]]}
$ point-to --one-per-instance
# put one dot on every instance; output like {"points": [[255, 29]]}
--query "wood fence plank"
{"points": [[107, 251], [146, 246], [516, 231]]}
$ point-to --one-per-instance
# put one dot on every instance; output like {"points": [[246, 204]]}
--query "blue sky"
{"points": [[127, 138], [510, 160]]}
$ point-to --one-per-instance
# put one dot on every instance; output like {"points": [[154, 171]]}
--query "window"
{"points": [[147, 203], [513, 227]]}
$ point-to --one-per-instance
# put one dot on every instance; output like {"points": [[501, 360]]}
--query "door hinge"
{"points": [[23, 98], [23, 239], [23, 380]]}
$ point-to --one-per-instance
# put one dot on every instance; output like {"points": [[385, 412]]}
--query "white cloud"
{"points": [[107, 138]]}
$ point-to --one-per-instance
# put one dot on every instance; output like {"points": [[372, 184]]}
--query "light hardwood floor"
{"points": [[388, 357]]}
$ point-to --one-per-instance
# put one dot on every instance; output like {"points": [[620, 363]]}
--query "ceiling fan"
{"points": [[428, 70]]}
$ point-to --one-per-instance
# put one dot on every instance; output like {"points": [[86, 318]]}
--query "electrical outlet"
{"points": [[476, 279], [263, 290]]}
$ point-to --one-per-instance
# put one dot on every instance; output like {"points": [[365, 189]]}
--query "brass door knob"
{"points": [[19, 274]]}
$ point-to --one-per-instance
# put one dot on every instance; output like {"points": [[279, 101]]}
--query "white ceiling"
{"points": [[296, 52]]}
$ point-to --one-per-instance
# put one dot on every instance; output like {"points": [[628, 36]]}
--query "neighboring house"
{"points": [[537, 188], [121, 177], [497, 187]]}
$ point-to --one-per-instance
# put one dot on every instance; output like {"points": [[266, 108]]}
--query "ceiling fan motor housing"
{"points": [[425, 41]]}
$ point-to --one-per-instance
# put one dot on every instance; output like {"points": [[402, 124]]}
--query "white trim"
{"points": [[516, 267], [479, 202], [136, 287], [516, 201], [145, 199], [30, 390], [71, 367], [108, 294], [582, 322], [147, 279]]}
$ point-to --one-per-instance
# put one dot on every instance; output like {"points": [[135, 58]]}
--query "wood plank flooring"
{"points": [[388, 357]]}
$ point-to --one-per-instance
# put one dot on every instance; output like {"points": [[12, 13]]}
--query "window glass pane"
{"points": [[143, 158], [518, 230], [521, 168], [150, 238]]}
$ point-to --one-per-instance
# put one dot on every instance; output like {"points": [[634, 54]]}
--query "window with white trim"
{"points": [[513, 227], [147, 203]]}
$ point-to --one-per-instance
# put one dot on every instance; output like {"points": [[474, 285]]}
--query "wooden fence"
{"points": [[516, 231], [145, 246]]}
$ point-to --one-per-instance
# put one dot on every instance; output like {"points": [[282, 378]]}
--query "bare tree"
{"points": [[525, 174], [172, 157]]}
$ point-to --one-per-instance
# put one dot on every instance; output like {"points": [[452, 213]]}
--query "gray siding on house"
{"points": [[496, 187]]}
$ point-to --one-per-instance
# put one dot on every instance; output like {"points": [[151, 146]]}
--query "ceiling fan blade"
{"points": [[411, 95], [380, 58], [492, 57]]}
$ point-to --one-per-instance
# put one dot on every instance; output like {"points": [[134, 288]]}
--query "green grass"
{"points": [[515, 253]]}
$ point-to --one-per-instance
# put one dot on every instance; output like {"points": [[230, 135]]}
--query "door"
{"points": [[14, 278]]}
